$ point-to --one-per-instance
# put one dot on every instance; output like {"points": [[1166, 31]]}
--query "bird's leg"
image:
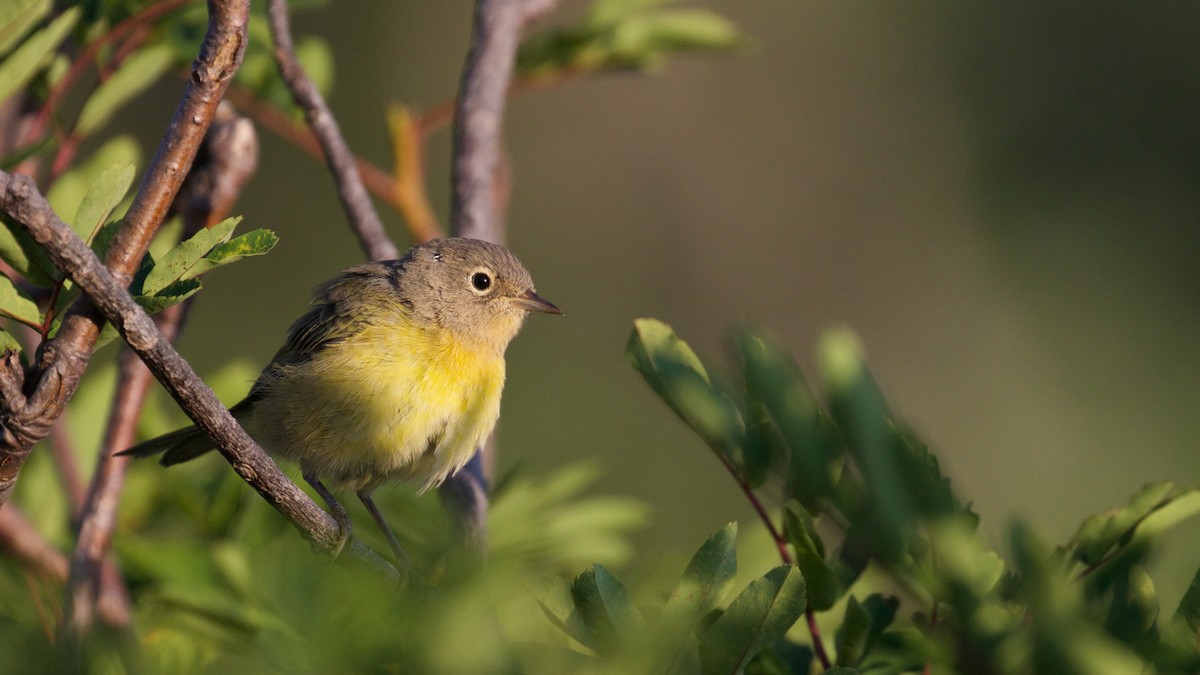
{"points": [[401, 556], [345, 526]]}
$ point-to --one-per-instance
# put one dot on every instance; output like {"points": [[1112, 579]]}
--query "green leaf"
{"points": [[136, 73], [760, 615], [102, 197], [773, 377], [961, 560], [709, 573], [1134, 547], [863, 417], [25, 255], [1134, 607], [553, 595], [606, 608], [15, 304], [822, 583], [179, 261], [764, 450], [173, 294], [17, 17], [1099, 533], [851, 639], [625, 35], [19, 67], [675, 372], [603, 12], [8, 343], [255, 242], [1184, 629]]}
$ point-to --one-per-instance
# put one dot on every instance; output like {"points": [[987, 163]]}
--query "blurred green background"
{"points": [[1001, 198]]}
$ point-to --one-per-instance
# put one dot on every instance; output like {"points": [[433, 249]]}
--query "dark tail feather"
{"points": [[184, 444], [177, 446]]}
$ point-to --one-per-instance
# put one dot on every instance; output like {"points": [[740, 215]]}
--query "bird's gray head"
{"points": [[476, 289]]}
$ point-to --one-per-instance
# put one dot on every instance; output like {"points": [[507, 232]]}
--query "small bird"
{"points": [[394, 373]]}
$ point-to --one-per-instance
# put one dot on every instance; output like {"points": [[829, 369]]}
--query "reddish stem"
{"points": [[786, 555]]}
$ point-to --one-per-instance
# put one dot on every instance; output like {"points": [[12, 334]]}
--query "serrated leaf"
{"points": [[1099, 533], [173, 294], [15, 304], [708, 574], [821, 582], [554, 597], [8, 343], [1134, 607], [678, 376], [764, 452], [177, 262], [26, 61], [851, 639], [604, 604], [861, 414], [17, 17], [136, 73], [757, 617], [774, 378], [18, 249], [255, 242], [1184, 630], [105, 193], [1168, 514], [1136, 545]]}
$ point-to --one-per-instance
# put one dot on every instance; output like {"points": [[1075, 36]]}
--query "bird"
{"points": [[394, 373]]}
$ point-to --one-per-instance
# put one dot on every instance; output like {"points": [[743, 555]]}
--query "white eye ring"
{"points": [[481, 280]]}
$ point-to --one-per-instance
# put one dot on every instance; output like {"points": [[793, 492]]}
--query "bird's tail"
{"points": [[180, 445]]}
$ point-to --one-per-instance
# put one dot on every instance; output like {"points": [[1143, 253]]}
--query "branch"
{"points": [[226, 161], [22, 541], [355, 200], [63, 359], [70, 254], [479, 114]]}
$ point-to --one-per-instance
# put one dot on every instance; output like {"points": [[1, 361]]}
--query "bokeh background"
{"points": [[1002, 199]]}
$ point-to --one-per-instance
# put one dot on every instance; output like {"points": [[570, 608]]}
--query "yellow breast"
{"points": [[394, 400]]}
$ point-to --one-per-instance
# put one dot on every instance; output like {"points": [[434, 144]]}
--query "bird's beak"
{"points": [[532, 302]]}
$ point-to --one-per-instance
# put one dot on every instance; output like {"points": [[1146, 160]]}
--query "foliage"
{"points": [[875, 547], [841, 468]]}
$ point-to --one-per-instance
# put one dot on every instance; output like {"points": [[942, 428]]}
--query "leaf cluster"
{"points": [[841, 468]]}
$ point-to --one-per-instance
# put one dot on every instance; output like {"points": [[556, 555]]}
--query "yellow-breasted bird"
{"points": [[395, 372]]}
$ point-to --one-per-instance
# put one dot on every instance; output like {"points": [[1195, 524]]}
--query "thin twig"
{"points": [[24, 543], [781, 544], [63, 359], [380, 183], [478, 121], [479, 111], [21, 200], [357, 203]]}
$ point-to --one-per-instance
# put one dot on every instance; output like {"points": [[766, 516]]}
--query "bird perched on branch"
{"points": [[394, 373]]}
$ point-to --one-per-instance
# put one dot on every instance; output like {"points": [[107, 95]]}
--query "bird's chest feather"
{"points": [[397, 402]]}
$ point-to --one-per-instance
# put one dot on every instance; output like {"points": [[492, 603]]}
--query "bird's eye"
{"points": [[481, 281]]}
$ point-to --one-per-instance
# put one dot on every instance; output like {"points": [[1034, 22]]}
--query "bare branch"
{"points": [[64, 358], [66, 250], [22, 541], [357, 203], [479, 112], [478, 121]]}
